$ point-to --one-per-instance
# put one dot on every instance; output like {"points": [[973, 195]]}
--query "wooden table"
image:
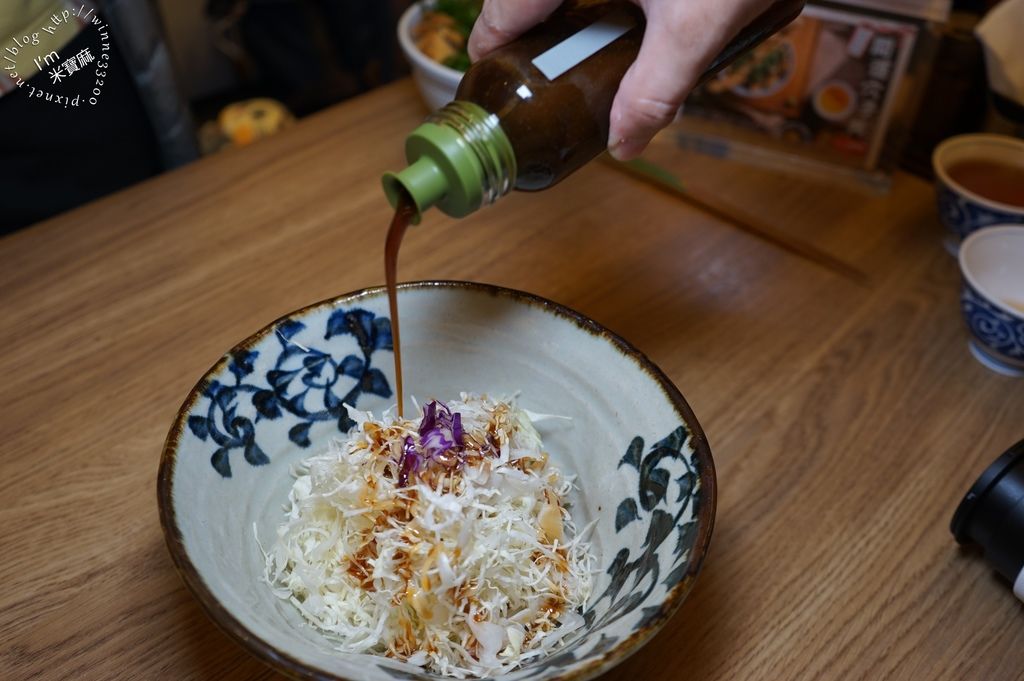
{"points": [[846, 418]]}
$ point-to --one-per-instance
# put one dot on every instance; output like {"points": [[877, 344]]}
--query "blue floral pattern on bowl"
{"points": [[962, 215], [1000, 334], [301, 386]]}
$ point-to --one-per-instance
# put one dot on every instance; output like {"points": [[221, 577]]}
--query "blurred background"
{"points": [[204, 75], [307, 54]]}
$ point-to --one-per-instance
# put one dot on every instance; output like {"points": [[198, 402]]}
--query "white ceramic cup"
{"points": [[992, 297]]}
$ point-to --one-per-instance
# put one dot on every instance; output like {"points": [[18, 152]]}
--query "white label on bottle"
{"points": [[579, 46], [1018, 588]]}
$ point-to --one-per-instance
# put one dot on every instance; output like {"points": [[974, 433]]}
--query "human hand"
{"points": [[681, 40]]}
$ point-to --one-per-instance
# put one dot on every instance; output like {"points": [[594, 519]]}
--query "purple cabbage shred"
{"points": [[457, 432], [440, 441], [409, 463]]}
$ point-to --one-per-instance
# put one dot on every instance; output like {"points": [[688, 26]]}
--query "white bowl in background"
{"points": [[437, 83]]}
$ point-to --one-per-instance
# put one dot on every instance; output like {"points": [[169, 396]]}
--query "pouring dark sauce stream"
{"points": [[404, 213]]}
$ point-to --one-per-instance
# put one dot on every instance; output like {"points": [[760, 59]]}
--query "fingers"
{"points": [[501, 21], [680, 40]]}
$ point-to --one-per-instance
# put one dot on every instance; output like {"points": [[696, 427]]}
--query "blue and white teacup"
{"points": [[992, 299], [961, 210]]}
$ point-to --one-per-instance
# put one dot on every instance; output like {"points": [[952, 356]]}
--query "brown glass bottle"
{"points": [[555, 126], [512, 126]]}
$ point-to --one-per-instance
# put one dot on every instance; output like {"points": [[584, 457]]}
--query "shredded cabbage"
{"points": [[445, 543]]}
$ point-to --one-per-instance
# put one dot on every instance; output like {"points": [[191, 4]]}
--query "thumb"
{"points": [[501, 22], [680, 40]]}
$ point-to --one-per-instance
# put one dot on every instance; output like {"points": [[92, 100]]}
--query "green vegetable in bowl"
{"points": [[444, 31], [465, 12], [459, 62]]}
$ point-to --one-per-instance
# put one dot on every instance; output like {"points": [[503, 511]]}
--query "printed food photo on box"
{"points": [[825, 84]]}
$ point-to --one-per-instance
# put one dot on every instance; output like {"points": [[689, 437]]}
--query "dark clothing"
{"points": [[136, 30], [57, 155]]}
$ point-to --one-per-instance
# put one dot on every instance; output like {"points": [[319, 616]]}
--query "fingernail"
{"points": [[624, 149]]}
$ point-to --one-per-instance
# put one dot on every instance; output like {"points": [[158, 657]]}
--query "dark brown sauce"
{"points": [[403, 565], [359, 567], [404, 213], [563, 123], [552, 607], [992, 180]]}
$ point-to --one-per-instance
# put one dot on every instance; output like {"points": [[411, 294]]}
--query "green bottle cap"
{"points": [[458, 159]]}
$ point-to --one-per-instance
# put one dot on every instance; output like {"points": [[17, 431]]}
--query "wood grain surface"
{"points": [[846, 417]]}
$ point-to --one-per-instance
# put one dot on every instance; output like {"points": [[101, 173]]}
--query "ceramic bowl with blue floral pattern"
{"points": [[644, 470], [992, 297], [961, 210]]}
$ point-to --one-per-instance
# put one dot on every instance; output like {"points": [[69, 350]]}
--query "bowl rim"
{"points": [[939, 166], [413, 14], [968, 275], [291, 666]]}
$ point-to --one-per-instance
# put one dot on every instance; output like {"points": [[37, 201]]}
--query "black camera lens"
{"points": [[992, 516]]}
